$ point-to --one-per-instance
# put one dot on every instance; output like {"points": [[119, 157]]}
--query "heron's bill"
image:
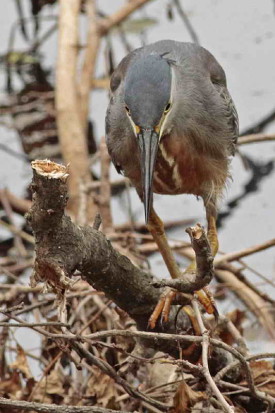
{"points": [[148, 140]]}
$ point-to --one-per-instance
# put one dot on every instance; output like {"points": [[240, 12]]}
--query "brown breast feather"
{"points": [[178, 172]]}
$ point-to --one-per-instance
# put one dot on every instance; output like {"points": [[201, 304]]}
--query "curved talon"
{"points": [[213, 303], [206, 299], [162, 308], [156, 313], [164, 305], [167, 305]]}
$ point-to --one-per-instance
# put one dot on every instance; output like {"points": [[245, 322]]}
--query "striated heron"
{"points": [[171, 128]]}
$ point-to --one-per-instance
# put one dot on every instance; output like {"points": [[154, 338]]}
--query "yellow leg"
{"points": [[212, 234], [155, 226], [205, 297]]}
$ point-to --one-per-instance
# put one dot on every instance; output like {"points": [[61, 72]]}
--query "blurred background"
{"points": [[241, 35]]}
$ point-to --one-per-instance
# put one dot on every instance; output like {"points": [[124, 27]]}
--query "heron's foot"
{"points": [[206, 299], [171, 296], [163, 307], [204, 295]]}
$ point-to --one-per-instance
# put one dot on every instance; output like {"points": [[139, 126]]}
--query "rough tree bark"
{"points": [[63, 247]]}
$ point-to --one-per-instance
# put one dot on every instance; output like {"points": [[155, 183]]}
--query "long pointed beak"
{"points": [[148, 141]]}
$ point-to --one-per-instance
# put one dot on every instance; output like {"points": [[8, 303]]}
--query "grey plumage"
{"points": [[143, 77], [197, 136]]}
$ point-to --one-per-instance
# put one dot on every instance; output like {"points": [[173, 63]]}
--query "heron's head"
{"points": [[148, 104]]}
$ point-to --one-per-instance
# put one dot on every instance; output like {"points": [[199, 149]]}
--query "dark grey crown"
{"points": [[147, 89]]}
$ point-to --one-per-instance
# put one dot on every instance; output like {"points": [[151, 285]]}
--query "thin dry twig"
{"points": [[71, 133], [250, 297], [53, 408], [232, 329], [245, 252], [235, 363], [89, 62], [119, 16], [17, 239], [204, 267], [23, 324], [252, 300], [16, 231], [255, 138], [19, 205], [105, 189], [205, 349], [186, 21], [106, 368]]}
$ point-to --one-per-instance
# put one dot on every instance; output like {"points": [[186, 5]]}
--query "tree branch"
{"points": [[205, 348], [70, 128], [255, 138], [118, 17], [63, 247], [88, 67], [204, 268], [53, 408]]}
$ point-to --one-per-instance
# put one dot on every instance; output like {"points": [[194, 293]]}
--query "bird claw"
{"points": [[206, 299], [162, 308]]}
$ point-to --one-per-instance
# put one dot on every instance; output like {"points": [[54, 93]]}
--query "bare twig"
{"points": [[223, 320], [235, 363], [260, 275], [118, 17], [238, 273], [105, 189], [17, 231], [260, 124], [88, 67], [143, 335], [53, 408], [96, 185], [245, 252], [205, 348], [252, 300], [141, 227], [18, 204], [38, 42], [17, 239], [204, 267], [89, 252], [106, 368], [12, 152], [23, 324], [258, 394], [70, 128], [97, 222], [256, 138], [186, 21]]}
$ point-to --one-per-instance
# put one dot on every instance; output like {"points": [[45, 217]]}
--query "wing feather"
{"points": [[232, 115]]}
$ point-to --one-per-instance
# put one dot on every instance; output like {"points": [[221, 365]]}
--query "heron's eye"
{"points": [[168, 107], [127, 110]]}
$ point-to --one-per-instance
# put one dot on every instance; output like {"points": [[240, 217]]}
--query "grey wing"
{"points": [[232, 116]]}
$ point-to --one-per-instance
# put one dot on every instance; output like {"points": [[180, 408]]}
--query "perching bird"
{"points": [[171, 128]]}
